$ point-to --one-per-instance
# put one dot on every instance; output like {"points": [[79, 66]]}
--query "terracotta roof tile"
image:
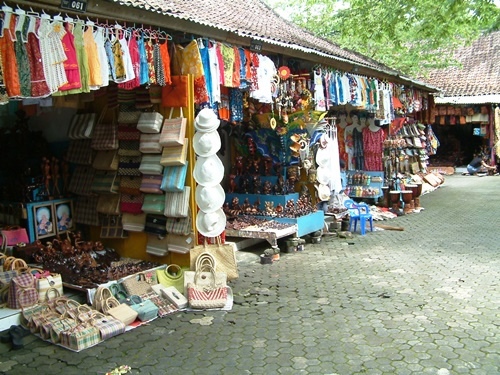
{"points": [[479, 73]]}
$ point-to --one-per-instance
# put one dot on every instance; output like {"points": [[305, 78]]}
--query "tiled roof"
{"points": [[479, 73], [253, 19]]}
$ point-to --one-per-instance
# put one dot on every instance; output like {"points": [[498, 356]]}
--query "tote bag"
{"points": [[177, 204], [174, 178]]}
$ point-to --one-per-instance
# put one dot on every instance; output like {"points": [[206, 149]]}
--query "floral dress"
{"points": [[9, 63], [23, 65], [191, 64], [39, 86]]}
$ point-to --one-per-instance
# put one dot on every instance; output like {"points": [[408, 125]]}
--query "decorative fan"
{"points": [[284, 72]]}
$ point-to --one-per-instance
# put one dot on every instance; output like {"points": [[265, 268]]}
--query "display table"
{"points": [[268, 234]]}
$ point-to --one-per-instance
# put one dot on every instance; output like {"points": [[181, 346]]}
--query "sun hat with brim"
{"points": [[322, 175], [206, 144], [323, 157], [208, 171], [211, 224], [323, 192], [206, 121], [209, 198]]}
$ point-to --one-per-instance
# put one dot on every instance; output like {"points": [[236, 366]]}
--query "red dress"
{"points": [[39, 86], [71, 64]]}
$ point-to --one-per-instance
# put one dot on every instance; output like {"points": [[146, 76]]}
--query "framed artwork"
{"points": [[44, 220], [63, 216]]}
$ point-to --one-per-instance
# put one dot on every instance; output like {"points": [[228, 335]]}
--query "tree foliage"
{"points": [[411, 36]]}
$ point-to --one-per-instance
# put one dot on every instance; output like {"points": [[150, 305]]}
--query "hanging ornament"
{"points": [[284, 72]]}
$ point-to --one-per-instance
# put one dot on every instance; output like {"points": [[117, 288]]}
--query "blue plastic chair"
{"points": [[359, 212]]}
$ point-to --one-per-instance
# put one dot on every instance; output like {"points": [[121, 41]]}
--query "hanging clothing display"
{"points": [[373, 148]]}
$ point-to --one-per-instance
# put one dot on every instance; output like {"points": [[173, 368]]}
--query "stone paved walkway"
{"points": [[421, 301]]}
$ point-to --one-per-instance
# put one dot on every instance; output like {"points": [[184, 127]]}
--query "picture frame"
{"points": [[63, 216], [43, 220]]}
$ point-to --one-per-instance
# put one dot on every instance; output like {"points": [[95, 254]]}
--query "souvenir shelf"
{"points": [[364, 184]]}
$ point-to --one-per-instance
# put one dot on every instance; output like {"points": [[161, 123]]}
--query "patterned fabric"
{"points": [[111, 227], [165, 307], [149, 144], [150, 122], [174, 155], [133, 222], [131, 204], [22, 291], [129, 166], [38, 84], [9, 63], [174, 178], [153, 203], [177, 225], [81, 181], [151, 184], [128, 133], [106, 161], [105, 182], [105, 136], [192, 64], [23, 65], [129, 148], [173, 132], [108, 326], [86, 211], [156, 224], [130, 185], [150, 164], [177, 204], [79, 152], [80, 337]]}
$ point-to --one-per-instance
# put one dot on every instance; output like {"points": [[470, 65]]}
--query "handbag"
{"points": [[177, 204], [149, 144], [174, 155], [105, 133], [81, 180], [173, 132], [128, 115], [156, 245], [120, 311], [80, 152], [86, 210], [146, 310], [64, 323], [154, 204], [106, 160], [174, 178], [111, 227], [179, 243], [179, 225], [105, 182], [130, 185], [127, 132], [129, 166], [107, 325], [207, 290], [140, 283], [172, 275], [224, 255], [131, 204], [101, 295], [11, 236], [81, 336], [175, 94], [22, 291], [165, 307], [109, 204], [150, 164], [150, 122], [82, 126], [151, 184], [133, 222], [129, 148], [46, 284], [156, 224]]}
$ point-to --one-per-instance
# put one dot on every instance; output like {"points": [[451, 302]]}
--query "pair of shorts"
{"points": [[472, 170]]}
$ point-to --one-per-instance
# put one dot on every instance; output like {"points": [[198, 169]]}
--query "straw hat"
{"points": [[208, 171], [206, 121], [323, 192], [322, 175], [211, 224], [209, 198], [206, 144]]}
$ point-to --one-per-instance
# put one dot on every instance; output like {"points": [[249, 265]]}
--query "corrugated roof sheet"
{"points": [[254, 19], [479, 73]]}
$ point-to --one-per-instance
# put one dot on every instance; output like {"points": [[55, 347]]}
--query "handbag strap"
{"points": [[181, 114], [204, 260], [198, 274], [173, 275]]}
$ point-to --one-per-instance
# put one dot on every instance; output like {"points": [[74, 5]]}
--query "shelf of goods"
{"points": [[300, 226], [364, 184]]}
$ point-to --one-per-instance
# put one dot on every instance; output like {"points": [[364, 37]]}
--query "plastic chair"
{"points": [[359, 212]]}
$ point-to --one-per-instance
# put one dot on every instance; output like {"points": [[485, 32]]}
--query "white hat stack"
{"points": [[208, 173], [323, 171]]}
